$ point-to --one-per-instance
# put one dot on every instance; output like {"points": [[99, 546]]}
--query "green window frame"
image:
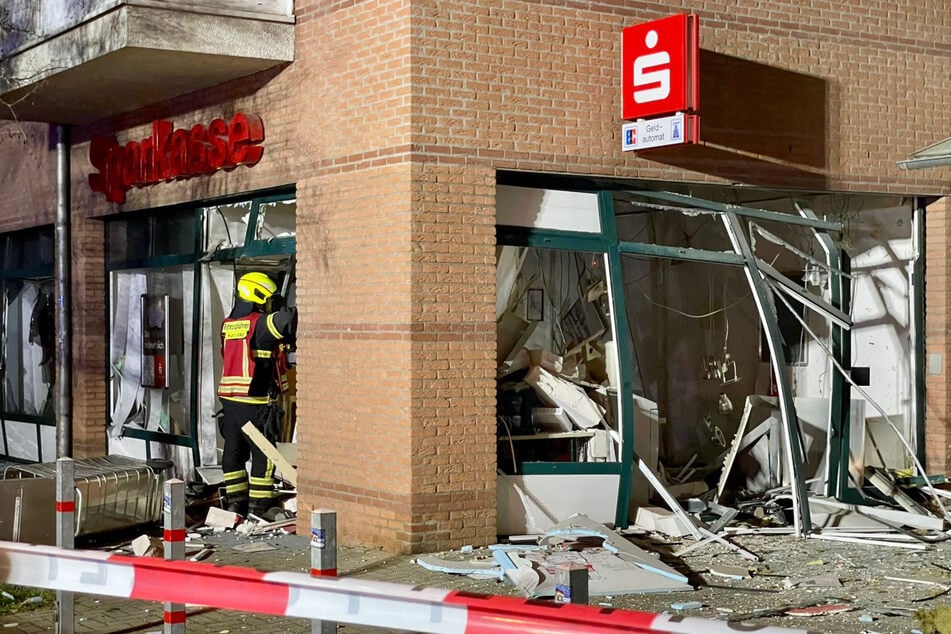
{"points": [[159, 255]]}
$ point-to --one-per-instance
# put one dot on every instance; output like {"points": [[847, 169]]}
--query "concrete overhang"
{"points": [[134, 54], [935, 155]]}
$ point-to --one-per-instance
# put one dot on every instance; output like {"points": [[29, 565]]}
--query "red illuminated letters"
{"points": [[170, 154]]}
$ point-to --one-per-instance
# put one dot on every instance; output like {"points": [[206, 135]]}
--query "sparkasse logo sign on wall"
{"points": [[174, 154], [660, 60]]}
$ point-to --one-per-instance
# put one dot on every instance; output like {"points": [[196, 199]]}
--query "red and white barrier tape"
{"points": [[344, 600]]}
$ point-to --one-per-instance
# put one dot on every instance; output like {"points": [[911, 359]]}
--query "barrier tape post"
{"points": [[174, 546], [323, 556], [571, 584], [65, 537]]}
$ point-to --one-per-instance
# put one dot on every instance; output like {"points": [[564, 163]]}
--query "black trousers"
{"points": [[238, 448]]}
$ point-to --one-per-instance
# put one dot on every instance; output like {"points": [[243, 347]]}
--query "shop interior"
{"points": [[646, 292]]}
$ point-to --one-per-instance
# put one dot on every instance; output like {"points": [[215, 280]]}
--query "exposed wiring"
{"points": [[508, 431], [689, 315], [878, 408]]}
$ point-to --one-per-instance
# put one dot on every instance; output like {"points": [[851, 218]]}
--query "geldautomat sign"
{"points": [[174, 154]]}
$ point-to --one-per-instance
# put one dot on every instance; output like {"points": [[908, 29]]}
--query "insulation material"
{"points": [[13, 388], [31, 367], [557, 392], [126, 346], [27, 388], [218, 282], [506, 274]]}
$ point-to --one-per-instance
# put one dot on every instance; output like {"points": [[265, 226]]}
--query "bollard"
{"points": [[174, 546], [65, 537], [323, 556], [571, 584]]}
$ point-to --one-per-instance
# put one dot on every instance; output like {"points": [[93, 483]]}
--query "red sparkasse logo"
{"points": [[659, 67], [171, 154]]}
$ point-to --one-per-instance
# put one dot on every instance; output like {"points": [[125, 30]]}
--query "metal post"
{"points": [[65, 531], [323, 556], [63, 405], [787, 408], [174, 508], [571, 584]]}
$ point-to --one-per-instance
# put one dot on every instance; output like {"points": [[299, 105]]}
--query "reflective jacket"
{"points": [[252, 374]]}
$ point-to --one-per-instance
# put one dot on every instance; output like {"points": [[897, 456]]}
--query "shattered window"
{"points": [[28, 356], [276, 220], [228, 225], [557, 372], [151, 384]]}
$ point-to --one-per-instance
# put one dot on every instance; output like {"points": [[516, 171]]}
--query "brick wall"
{"points": [[937, 327]]}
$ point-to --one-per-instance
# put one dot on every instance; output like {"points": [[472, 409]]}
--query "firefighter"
{"points": [[255, 339]]}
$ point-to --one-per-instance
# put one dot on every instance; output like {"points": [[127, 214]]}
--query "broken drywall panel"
{"points": [[582, 525], [840, 515], [533, 503], [460, 567], [557, 392], [656, 519], [512, 332], [221, 518], [545, 359], [757, 456], [601, 446], [882, 448], [884, 483], [868, 541], [508, 264], [286, 471], [608, 574], [671, 501], [755, 409]]}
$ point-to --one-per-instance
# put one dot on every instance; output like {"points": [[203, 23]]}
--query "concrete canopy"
{"points": [[132, 55]]}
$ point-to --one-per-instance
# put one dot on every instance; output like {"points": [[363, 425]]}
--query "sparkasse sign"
{"points": [[660, 67], [170, 154]]}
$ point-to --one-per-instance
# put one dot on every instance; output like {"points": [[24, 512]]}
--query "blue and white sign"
{"points": [[648, 133]]}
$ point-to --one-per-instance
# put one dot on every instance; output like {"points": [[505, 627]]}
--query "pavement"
{"points": [[288, 553], [882, 584]]}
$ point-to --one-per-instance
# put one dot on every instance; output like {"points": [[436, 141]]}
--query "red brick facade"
{"points": [[392, 123]]}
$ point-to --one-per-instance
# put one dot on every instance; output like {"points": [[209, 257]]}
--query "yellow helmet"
{"points": [[256, 288]]}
